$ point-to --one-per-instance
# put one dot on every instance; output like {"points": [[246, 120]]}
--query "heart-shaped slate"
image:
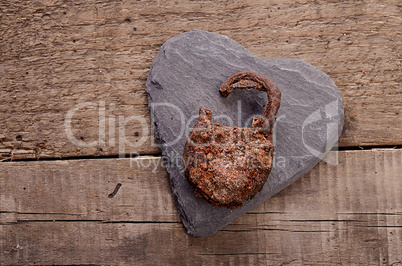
{"points": [[186, 75]]}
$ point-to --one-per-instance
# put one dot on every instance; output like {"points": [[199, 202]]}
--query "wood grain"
{"points": [[59, 212], [56, 54]]}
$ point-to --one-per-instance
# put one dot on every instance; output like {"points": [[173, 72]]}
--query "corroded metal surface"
{"points": [[228, 165]]}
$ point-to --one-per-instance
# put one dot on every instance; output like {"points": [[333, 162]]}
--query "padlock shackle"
{"points": [[249, 79]]}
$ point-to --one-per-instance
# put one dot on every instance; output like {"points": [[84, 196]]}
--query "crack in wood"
{"points": [[323, 220], [158, 155], [101, 157], [369, 213], [367, 147], [42, 213], [276, 229], [116, 189], [265, 212], [89, 221], [237, 254]]}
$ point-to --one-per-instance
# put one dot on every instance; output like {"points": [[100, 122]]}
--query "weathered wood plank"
{"points": [[76, 243], [81, 190], [55, 55], [350, 213]]}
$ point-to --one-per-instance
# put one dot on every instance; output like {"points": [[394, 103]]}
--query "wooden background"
{"points": [[54, 203]]}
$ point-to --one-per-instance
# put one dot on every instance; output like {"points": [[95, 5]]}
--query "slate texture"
{"points": [[186, 75]]}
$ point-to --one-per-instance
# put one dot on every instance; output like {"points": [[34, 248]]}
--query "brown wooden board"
{"points": [[55, 55], [60, 212]]}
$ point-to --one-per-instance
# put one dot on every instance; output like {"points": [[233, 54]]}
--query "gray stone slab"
{"points": [[186, 75]]}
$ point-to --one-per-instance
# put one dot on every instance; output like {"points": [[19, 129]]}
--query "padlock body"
{"points": [[227, 165]]}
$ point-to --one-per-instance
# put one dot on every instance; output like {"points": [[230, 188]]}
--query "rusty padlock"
{"points": [[228, 165]]}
